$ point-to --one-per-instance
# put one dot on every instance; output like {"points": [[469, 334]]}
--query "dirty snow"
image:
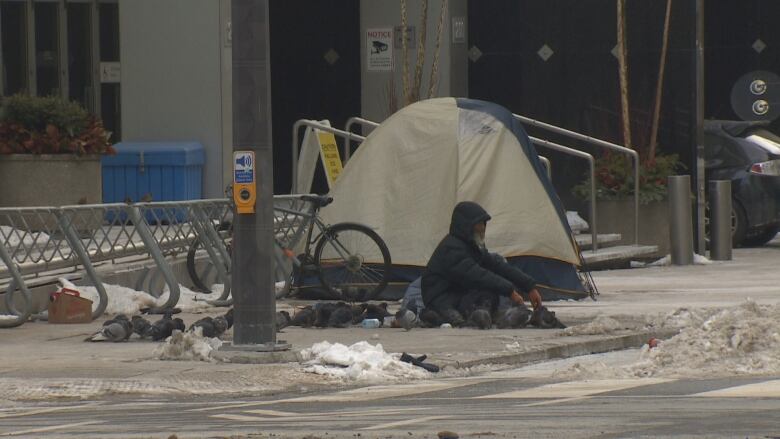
{"points": [[666, 261], [190, 345], [123, 300], [600, 325], [576, 223], [742, 340], [361, 362], [13, 237]]}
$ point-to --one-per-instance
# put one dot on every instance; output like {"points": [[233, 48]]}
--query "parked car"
{"points": [[748, 154]]}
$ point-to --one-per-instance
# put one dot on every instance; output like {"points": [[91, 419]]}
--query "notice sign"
{"points": [[379, 49], [331, 159]]}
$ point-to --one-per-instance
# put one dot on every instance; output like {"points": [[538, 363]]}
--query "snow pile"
{"points": [[190, 345], [121, 300], [12, 237], [600, 325], [666, 261], [361, 362], [576, 223], [189, 301], [127, 301], [744, 340]]}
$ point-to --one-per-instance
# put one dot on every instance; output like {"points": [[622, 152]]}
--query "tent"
{"points": [[411, 171]]}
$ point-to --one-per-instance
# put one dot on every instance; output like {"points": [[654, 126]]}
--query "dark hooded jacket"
{"points": [[459, 265]]}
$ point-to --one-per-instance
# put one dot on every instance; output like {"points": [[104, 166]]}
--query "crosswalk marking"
{"points": [[50, 428], [766, 389], [575, 389], [41, 411]]}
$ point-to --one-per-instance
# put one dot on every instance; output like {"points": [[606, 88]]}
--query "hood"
{"points": [[464, 217]]}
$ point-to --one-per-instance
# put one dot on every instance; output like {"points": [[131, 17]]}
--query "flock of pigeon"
{"points": [[332, 315], [321, 315], [120, 328]]}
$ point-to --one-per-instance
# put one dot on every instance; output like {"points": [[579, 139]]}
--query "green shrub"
{"points": [[615, 177], [49, 125]]}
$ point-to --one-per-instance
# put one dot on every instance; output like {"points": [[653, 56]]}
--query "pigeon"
{"points": [[141, 326], [515, 317], [117, 329], [322, 312], [164, 327], [378, 312], [447, 435], [358, 313], [282, 320], [340, 317], [543, 318], [406, 318], [480, 318], [229, 318], [430, 318], [208, 325], [304, 317]]}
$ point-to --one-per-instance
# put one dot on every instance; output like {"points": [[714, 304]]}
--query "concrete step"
{"points": [[616, 257], [585, 240]]}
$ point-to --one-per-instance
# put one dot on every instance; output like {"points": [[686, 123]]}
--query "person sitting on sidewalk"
{"points": [[463, 276]]}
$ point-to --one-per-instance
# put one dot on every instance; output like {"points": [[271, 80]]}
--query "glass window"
{"points": [[80, 54], [110, 99], [13, 26], [47, 48]]}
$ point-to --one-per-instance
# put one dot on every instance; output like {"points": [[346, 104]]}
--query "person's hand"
{"points": [[535, 297], [516, 298]]}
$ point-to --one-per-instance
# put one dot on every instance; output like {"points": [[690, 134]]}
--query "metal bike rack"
{"points": [[39, 240], [296, 146]]}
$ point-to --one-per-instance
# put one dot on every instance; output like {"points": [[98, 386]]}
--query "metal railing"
{"points": [[37, 240], [592, 171], [296, 146], [601, 143]]}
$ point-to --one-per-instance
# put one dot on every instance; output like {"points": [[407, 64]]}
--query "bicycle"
{"points": [[350, 260]]}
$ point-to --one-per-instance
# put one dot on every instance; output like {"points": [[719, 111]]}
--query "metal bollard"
{"points": [[680, 219], [720, 220]]}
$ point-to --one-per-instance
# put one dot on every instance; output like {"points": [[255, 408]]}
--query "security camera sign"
{"points": [[379, 50]]}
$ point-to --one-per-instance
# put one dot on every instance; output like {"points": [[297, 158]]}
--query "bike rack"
{"points": [[38, 240]]}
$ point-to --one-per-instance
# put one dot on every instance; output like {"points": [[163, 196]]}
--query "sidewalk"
{"points": [[44, 361]]}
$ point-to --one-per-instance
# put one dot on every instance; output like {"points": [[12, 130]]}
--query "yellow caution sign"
{"points": [[331, 160]]}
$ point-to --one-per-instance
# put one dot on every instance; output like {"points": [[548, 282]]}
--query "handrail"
{"points": [[603, 144], [592, 169], [348, 128], [295, 145], [547, 166]]}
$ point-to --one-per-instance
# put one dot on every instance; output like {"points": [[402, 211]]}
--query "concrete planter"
{"points": [[617, 216], [49, 180]]}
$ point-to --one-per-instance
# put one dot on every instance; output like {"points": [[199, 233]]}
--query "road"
{"points": [[529, 402]]}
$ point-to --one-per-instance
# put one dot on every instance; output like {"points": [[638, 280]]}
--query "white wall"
{"points": [[452, 57], [172, 77]]}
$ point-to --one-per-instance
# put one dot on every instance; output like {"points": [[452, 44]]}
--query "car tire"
{"points": [[739, 225], [763, 237]]}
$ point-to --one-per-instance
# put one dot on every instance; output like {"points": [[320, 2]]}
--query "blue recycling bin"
{"points": [[160, 171]]}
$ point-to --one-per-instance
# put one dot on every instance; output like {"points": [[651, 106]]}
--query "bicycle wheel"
{"points": [[353, 261]]}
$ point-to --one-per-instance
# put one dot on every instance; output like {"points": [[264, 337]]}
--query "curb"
{"points": [[569, 350]]}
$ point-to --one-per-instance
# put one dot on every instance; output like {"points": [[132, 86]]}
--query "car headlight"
{"points": [[772, 167]]}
